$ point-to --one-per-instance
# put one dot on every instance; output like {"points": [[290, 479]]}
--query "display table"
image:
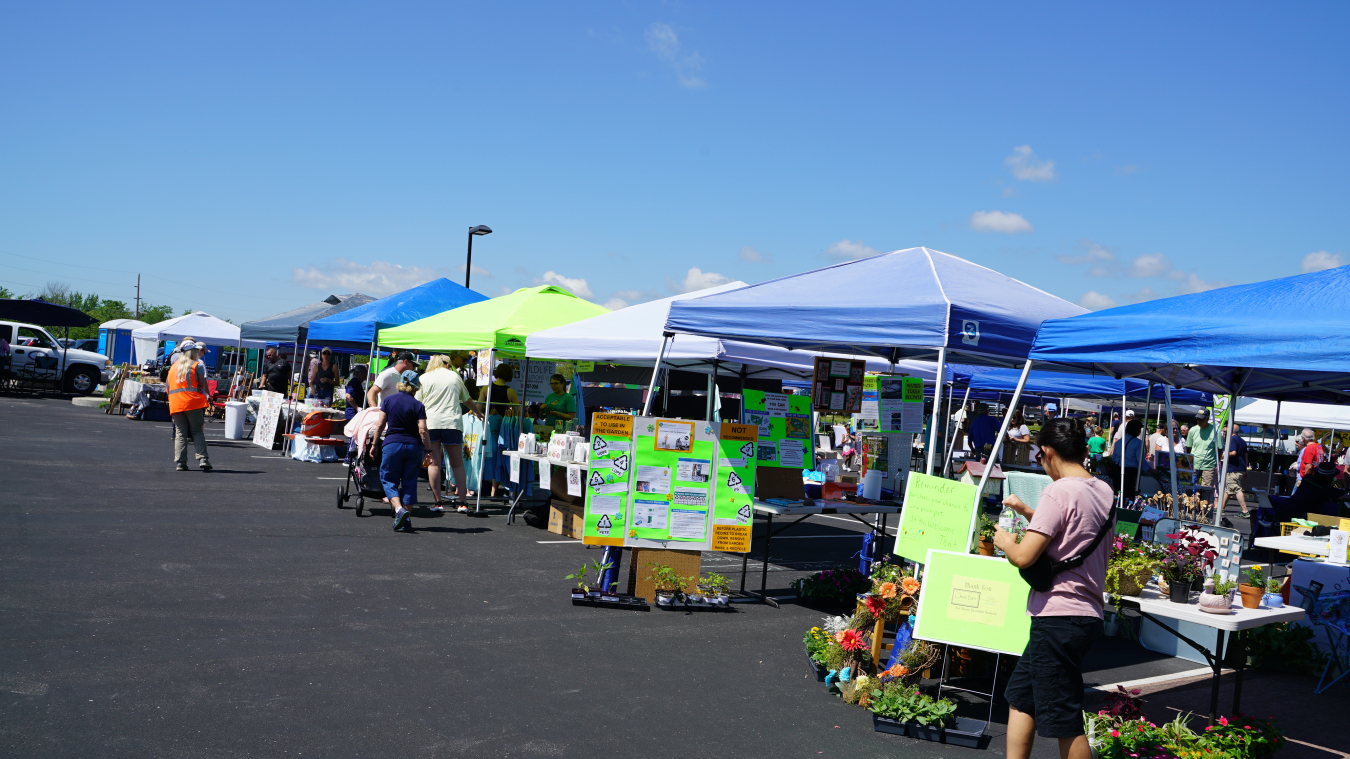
{"points": [[1153, 603], [538, 459], [770, 510], [1296, 544]]}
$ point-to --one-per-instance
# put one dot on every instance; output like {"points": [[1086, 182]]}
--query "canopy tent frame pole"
{"points": [[1270, 474], [956, 430], [1221, 485], [708, 414], [304, 382], [993, 456], [1171, 451], [290, 395], [937, 409], [482, 439], [666, 339], [1143, 434]]}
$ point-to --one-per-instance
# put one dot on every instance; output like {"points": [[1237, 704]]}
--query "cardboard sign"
{"points": [[973, 601], [936, 516]]}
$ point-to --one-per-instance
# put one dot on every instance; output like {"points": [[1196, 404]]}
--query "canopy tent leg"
{"points": [[1120, 465], [1221, 485], [1171, 451], [938, 379], [666, 339], [482, 439], [1139, 475], [1270, 475], [956, 430], [711, 383], [993, 456]]}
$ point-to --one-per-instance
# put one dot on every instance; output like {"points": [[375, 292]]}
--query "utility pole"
{"points": [[138, 296]]}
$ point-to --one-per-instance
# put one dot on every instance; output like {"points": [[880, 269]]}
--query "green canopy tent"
{"points": [[499, 325]]}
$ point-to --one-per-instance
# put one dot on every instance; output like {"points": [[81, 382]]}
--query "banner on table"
{"points": [[609, 480], [784, 428], [973, 601], [936, 517]]}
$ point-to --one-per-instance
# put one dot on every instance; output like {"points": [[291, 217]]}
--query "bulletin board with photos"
{"points": [[837, 385], [784, 424], [673, 489]]}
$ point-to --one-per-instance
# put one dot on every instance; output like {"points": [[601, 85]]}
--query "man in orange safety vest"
{"points": [[188, 399]]}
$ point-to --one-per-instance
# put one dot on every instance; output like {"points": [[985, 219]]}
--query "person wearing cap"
{"points": [[403, 421], [386, 382], [188, 398], [1203, 443], [1237, 470], [1051, 412], [1309, 452], [1120, 428]]}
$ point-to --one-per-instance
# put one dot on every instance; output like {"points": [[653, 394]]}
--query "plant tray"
{"points": [[817, 669], [690, 606], [632, 603], [966, 732]]}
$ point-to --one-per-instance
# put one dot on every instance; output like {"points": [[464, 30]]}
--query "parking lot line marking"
{"points": [[578, 542]]}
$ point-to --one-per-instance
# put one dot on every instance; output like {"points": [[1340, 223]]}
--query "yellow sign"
{"points": [[984, 602], [616, 425], [731, 538], [739, 431]]}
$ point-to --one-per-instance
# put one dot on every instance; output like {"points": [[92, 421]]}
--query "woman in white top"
{"points": [[1157, 444], [1019, 432]]}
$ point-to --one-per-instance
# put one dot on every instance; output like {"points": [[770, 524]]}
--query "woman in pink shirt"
{"points": [[1045, 691]]}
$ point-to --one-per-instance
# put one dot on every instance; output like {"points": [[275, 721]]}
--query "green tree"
{"points": [[6, 293]]}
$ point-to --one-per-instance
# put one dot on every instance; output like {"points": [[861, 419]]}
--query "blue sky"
{"points": [[251, 157]]}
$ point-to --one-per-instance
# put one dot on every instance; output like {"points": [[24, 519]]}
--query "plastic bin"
{"points": [[235, 411]]}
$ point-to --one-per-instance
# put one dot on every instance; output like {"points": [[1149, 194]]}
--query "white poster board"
{"points": [[269, 411]]}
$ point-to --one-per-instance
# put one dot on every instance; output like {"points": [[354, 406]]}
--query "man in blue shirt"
{"points": [[983, 431], [1237, 467]]}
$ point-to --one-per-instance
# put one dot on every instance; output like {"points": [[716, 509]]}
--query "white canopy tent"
{"points": [[632, 336], [1315, 415], [199, 325]]}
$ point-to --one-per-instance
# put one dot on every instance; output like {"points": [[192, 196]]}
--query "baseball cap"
{"points": [[1129, 412], [1202, 413], [411, 378], [405, 356], [187, 345], [1051, 407]]}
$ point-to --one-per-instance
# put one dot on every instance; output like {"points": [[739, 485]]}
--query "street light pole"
{"points": [[468, 261]]}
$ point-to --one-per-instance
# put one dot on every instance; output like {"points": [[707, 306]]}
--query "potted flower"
{"points": [[1179, 569], [1253, 588], [1217, 597], [1196, 543], [1272, 598], [987, 528], [1130, 566], [584, 588], [717, 589], [670, 586]]}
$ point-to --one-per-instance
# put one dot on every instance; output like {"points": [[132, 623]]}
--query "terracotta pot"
{"points": [[986, 547], [1251, 595], [906, 603]]}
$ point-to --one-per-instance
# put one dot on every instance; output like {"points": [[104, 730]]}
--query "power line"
{"points": [[122, 271]]}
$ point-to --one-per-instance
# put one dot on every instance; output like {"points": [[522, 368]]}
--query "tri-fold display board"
{"points": [[670, 483]]}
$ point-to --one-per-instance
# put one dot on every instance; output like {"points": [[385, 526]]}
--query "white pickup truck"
{"points": [[76, 371]]}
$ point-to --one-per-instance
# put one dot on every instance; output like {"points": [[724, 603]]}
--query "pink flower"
{"points": [[1115, 733], [1223, 721]]}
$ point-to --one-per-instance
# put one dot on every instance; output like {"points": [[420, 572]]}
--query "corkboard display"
{"points": [[686, 563]]}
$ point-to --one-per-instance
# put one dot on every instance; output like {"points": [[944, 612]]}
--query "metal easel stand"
{"points": [[993, 687], [1237, 658]]}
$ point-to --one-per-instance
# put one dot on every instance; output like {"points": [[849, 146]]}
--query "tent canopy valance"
{"points": [[1314, 415], [501, 324], [1261, 340], [356, 328], [906, 304], [292, 326], [1044, 383]]}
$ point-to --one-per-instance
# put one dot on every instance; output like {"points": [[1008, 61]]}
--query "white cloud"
{"points": [[1151, 265], [478, 271], [1322, 260], [614, 304], [378, 278], [999, 221], [1193, 284], [753, 256], [1144, 294], [848, 250], [1091, 252], [696, 279], [1095, 301], [665, 43], [1026, 167], [575, 285]]}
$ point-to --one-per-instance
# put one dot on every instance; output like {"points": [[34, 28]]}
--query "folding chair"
{"points": [[1332, 612]]}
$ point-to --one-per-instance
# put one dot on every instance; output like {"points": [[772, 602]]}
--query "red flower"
{"points": [[876, 605], [1115, 733], [850, 640], [1223, 721]]}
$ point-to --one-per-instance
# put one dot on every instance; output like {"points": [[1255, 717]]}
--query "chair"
{"points": [[38, 374], [1332, 612]]}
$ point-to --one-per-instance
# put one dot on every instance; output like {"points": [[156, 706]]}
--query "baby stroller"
{"points": [[363, 465]]}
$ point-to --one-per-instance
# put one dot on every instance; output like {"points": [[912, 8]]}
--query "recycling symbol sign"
{"points": [[597, 479], [733, 480], [620, 465], [748, 451], [599, 446], [604, 525], [744, 513]]}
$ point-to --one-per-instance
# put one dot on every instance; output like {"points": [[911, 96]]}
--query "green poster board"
{"points": [[733, 504], [784, 423], [936, 515], [609, 480], [671, 499], [973, 601]]}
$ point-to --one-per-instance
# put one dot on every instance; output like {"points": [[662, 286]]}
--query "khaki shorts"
{"points": [[1206, 477], [1233, 484]]}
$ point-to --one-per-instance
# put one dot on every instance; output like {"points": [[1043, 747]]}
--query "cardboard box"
{"points": [[576, 522], [559, 518]]}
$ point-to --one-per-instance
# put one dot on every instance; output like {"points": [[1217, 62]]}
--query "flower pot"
{"points": [[1215, 603], [664, 598], [1133, 585], [1198, 584], [1179, 591], [1111, 625], [1273, 600], [723, 599], [1251, 596], [906, 604], [986, 547]]}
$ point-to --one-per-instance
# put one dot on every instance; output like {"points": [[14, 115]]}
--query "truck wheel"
{"points": [[82, 380]]}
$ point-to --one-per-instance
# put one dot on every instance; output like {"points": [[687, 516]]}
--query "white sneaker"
{"points": [[436, 509]]}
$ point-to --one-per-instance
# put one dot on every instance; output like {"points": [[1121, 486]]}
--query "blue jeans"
{"points": [[398, 471]]}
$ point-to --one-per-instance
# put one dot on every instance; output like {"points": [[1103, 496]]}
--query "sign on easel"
{"points": [[936, 516], [672, 491], [269, 411], [973, 601]]}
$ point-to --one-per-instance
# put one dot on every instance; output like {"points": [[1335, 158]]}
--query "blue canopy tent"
{"points": [[356, 328], [915, 303], [1064, 383], [1230, 341]]}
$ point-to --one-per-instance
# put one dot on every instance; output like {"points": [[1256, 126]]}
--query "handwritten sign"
{"points": [[973, 601], [936, 515]]}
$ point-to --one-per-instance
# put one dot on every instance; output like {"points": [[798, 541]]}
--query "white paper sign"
{"points": [[776, 404], [269, 410], [688, 524], [515, 468], [1340, 541], [650, 514], [545, 474], [574, 478], [790, 452], [653, 479]]}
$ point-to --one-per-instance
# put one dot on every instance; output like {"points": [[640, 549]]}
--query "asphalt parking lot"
{"points": [[238, 613]]}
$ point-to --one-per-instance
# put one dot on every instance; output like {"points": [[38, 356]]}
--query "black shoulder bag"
{"points": [[1041, 575]]}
